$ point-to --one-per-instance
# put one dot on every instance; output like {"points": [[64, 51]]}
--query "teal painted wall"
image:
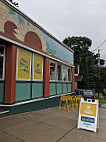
{"points": [[65, 88], [1, 92], [52, 89], [59, 88], [23, 91], [69, 87], [37, 90]]}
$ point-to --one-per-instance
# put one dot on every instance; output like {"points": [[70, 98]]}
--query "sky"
{"points": [[63, 18]]}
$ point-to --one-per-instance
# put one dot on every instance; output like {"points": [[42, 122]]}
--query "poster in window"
{"points": [[24, 64], [37, 67]]}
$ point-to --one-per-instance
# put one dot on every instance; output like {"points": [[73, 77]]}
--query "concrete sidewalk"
{"points": [[50, 125]]}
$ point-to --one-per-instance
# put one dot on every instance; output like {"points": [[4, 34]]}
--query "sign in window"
{"points": [[24, 65], [37, 67]]}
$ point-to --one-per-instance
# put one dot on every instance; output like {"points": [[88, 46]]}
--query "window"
{"points": [[2, 56], [59, 73], [65, 73], [23, 65], [69, 74], [37, 67], [52, 70]]}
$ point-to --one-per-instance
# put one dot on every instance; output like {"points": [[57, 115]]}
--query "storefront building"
{"points": [[35, 68]]}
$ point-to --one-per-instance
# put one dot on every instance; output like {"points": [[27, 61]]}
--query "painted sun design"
{"points": [[19, 27]]}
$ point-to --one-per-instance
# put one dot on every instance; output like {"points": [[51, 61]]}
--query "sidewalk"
{"points": [[50, 125]]}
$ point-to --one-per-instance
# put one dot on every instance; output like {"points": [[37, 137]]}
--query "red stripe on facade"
{"points": [[73, 80], [46, 76], [10, 76]]}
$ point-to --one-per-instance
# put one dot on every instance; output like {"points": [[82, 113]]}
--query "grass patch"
{"points": [[101, 100]]}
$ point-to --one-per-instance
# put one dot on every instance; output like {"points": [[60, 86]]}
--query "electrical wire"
{"points": [[99, 46]]}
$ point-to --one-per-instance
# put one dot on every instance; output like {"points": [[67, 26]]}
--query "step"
{"points": [[4, 113]]}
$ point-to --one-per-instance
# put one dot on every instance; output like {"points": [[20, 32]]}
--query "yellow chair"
{"points": [[63, 99], [69, 101], [76, 102]]}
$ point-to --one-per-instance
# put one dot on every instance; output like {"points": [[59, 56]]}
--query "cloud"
{"points": [[64, 18]]}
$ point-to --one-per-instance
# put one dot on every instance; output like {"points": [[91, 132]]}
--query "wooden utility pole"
{"points": [[99, 57]]}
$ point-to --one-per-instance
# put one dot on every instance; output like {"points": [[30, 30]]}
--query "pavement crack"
{"points": [[66, 134], [12, 136]]}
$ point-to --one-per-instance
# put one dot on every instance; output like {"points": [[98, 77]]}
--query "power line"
{"points": [[99, 45]]}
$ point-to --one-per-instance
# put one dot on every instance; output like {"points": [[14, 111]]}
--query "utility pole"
{"points": [[98, 57]]}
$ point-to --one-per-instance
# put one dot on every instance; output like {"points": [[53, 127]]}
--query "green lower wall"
{"points": [[22, 91], [65, 89], [1, 92], [69, 87], [28, 90], [59, 88], [37, 90], [52, 88], [31, 90]]}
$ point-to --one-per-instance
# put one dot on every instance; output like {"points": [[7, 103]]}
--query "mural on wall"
{"points": [[18, 27]]}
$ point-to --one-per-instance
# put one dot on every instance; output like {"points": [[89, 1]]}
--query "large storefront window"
{"points": [[65, 73], [2, 56], [52, 70], [37, 67], [24, 65], [59, 72], [69, 74]]}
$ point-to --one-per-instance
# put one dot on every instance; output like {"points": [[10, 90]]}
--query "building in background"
{"points": [[35, 67]]}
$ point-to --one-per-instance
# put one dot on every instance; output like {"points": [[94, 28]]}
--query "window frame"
{"points": [[57, 72], [67, 73], [71, 73], [4, 59], [51, 61]]}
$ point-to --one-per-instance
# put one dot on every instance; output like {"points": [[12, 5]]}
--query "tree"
{"points": [[80, 45], [94, 77], [84, 71]]}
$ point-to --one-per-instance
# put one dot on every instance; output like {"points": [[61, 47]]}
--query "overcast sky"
{"points": [[63, 18]]}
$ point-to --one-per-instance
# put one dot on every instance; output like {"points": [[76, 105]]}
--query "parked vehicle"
{"points": [[87, 94]]}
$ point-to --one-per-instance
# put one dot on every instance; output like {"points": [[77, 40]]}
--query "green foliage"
{"points": [[78, 44], [94, 77], [101, 100], [84, 71]]}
